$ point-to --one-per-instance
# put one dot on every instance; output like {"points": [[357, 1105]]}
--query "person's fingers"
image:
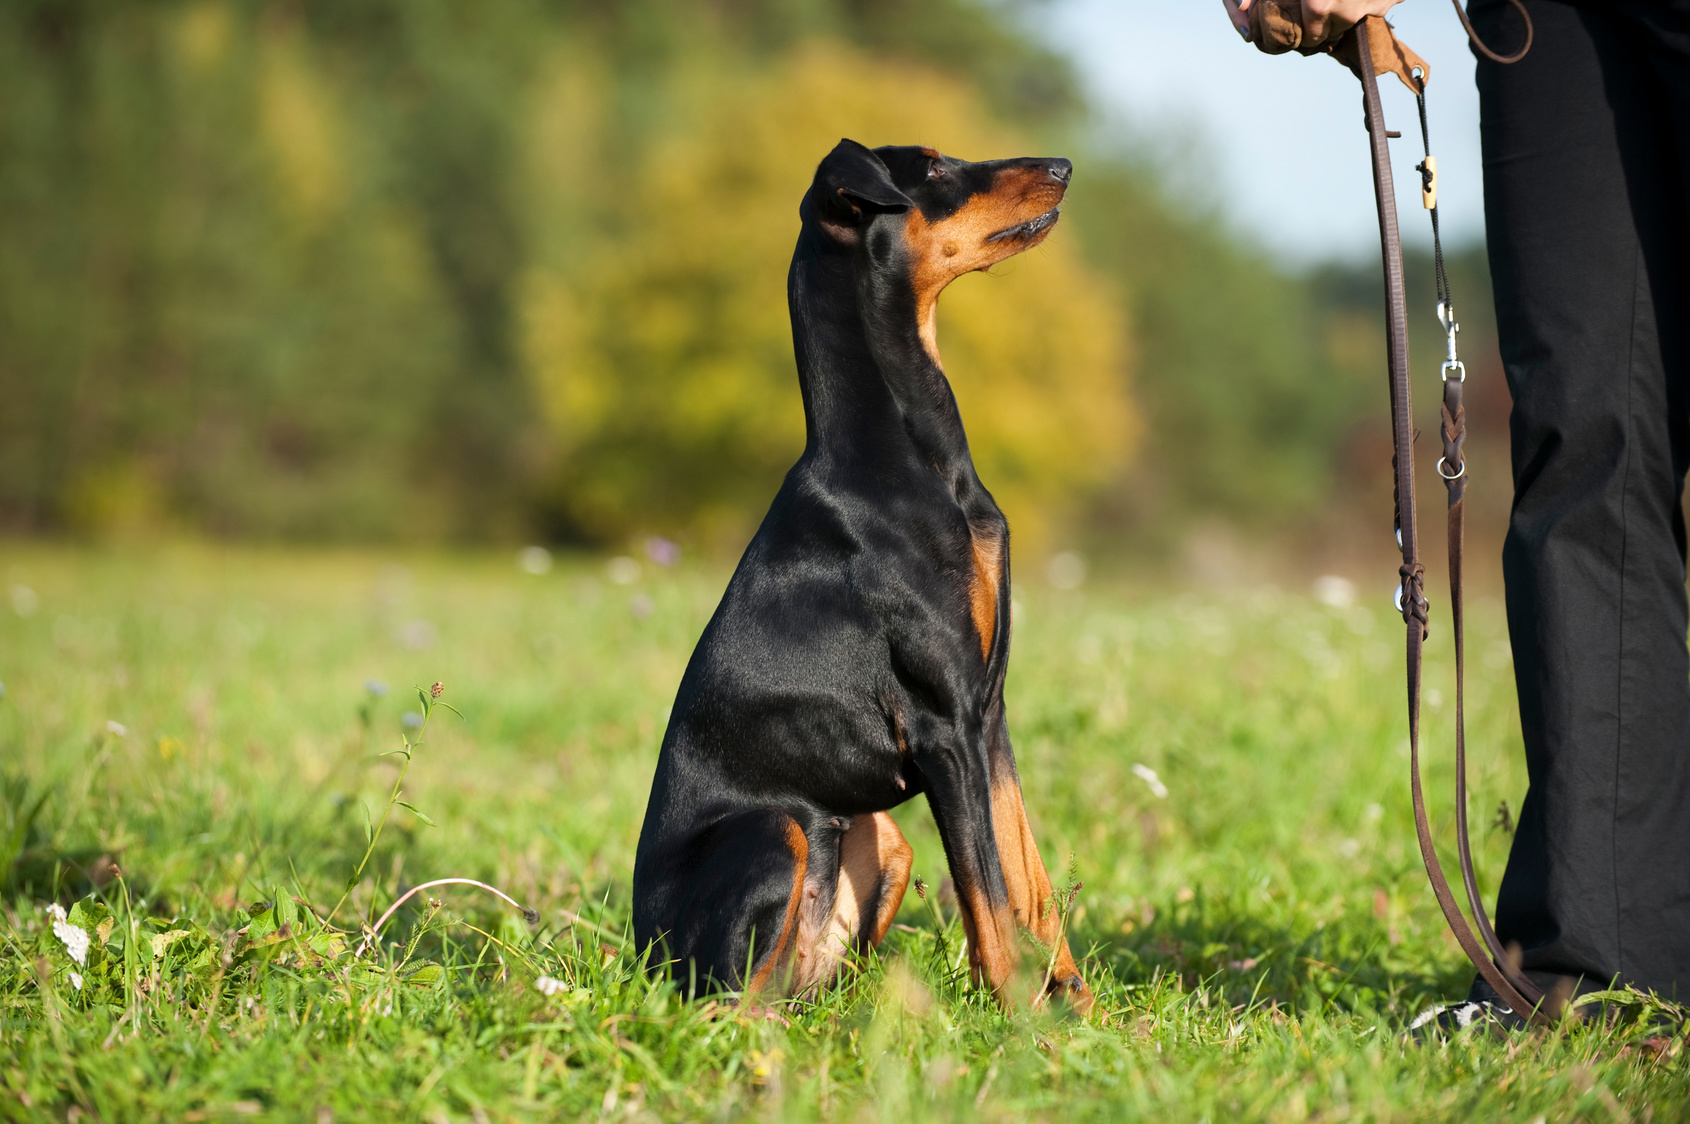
{"points": [[1314, 21], [1318, 21], [1326, 20], [1239, 12]]}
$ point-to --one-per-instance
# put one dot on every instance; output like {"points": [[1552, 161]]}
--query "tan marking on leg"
{"points": [[1030, 893], [800, 848], [992, 952], [894, 856], [983, 589], [874, 870]]}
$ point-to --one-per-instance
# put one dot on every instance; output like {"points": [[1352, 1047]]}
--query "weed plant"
{"points": [[214, 808]]}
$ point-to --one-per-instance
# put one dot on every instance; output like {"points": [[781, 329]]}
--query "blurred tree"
{"points": [[421, 269], [1248, 402], [211, 315]]}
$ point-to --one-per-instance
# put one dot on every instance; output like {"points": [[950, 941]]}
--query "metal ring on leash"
{"points": [[1446, 476]]}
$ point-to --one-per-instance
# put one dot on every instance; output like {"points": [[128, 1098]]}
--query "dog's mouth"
{"points": [[1032, 228]]}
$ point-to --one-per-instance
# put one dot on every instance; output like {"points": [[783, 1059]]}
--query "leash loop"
{"points": [[1478, 43]]}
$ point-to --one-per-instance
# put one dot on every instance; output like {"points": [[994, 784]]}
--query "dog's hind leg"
{"points": [[876, 858], [873, 874], [730, 914]]}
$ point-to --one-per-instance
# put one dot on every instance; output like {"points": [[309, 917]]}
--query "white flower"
{"points": [[76, 980], [1334, 592], [534, 560], [1066, 571], [546, 985], [55, 911], [24, 600], [115, 727], [75, 938], [1148, 775]]}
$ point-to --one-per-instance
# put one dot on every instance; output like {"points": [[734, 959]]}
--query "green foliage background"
{"points": [[290, 270]]}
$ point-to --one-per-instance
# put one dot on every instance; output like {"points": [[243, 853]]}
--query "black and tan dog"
{"points": [[858, 655]]}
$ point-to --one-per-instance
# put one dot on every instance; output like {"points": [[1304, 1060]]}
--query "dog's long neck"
{"points": [[865, 375]]}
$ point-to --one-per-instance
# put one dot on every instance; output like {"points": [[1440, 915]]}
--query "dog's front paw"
{"points": [[1068, 987]]}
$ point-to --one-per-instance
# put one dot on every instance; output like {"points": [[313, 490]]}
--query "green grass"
{"points": [[1258, 939]]}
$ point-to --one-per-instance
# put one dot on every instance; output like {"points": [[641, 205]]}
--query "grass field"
{"points": [[192, 742]]}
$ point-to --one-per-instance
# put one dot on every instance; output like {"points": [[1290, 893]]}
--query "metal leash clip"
{"points": [[1446, 317]]}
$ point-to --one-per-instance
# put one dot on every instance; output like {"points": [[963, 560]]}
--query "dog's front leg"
{"points": [[1031, 897], [958, 784]]}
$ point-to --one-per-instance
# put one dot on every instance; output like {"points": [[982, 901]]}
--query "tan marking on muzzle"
{"points": [[942, 251]]}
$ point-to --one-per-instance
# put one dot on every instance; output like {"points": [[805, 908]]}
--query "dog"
{"points": [[858, 655]]}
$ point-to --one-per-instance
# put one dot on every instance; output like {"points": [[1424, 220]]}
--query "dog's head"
{"points": [[931, 218]]}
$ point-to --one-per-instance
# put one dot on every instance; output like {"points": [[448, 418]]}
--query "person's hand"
{"points": [[1325, 20]]}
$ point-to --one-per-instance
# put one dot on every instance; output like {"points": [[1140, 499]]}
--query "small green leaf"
{"points": [[416, 813], [327, 943], [162, 941], [89, 914], [369, 827], [426, 975], [263, 924]]}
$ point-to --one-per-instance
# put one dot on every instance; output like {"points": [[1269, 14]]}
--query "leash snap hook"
{"points": [[1446, 319]]}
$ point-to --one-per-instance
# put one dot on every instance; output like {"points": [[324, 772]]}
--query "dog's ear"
{"points": [[853, 171], [850, 181]]}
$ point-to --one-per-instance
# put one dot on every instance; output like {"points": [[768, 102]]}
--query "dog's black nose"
{"points": [[1061, 169]]}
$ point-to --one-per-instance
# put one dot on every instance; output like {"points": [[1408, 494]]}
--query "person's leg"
{"points": [[1585, 219], [1654, 825]]}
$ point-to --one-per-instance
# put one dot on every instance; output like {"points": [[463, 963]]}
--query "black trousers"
{"points": [[1586, 155]]}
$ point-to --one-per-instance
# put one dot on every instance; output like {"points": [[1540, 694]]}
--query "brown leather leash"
{"points": [[1369, 48]]}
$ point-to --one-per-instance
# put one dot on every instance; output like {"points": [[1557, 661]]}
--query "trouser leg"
{"points": [[1585, 213]]}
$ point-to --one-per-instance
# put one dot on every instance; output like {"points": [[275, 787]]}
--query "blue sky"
{"points": [[1277, 142]]}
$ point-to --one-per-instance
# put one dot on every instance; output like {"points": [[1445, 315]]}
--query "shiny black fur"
{"points": [[846, 627]]}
